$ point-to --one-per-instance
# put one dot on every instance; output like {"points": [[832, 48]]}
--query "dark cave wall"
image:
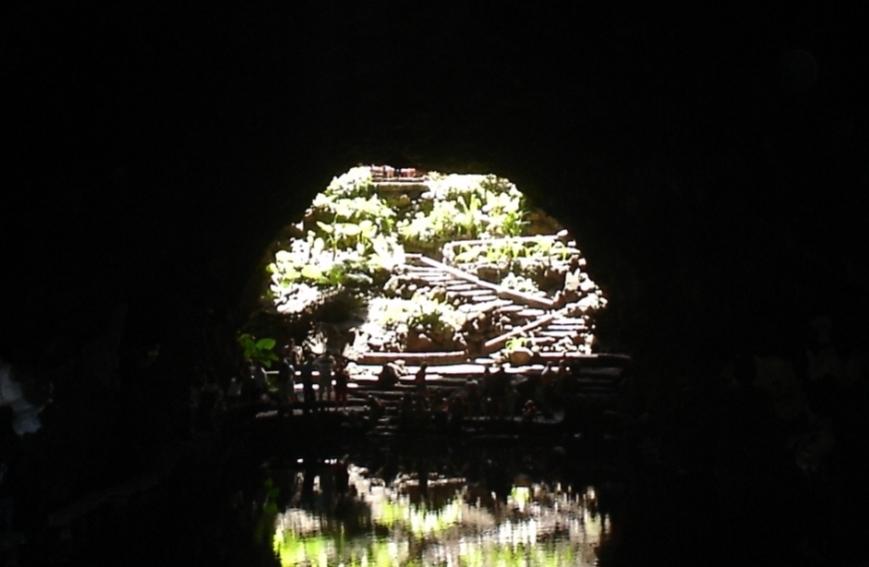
{"points": [[708, 180], [712, 167], [715, 192]]}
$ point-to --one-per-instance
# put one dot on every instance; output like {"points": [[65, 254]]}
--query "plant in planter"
{"points": [[521, 283], [356, 182], [462, 207], [430, 326], [517, 351], [419, 324], [515, 343]]}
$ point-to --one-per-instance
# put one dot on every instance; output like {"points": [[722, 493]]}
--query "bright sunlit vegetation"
{"points": [[359, 244]]}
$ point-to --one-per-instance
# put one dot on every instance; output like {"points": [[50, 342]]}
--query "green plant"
{"points": [[429, 318], [463, 206], [520, 283], [430, 315], [470, 217], [260, 351], [354, 183], [515, 344], [356, 236], [355, 210]]}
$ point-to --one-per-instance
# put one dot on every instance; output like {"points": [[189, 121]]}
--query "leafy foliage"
{"points": [[541, 249], [434, 317], [394, 320], [521, 283], [354, 237], [463, 207], [260, 351], [516, 343], [355, 233]]}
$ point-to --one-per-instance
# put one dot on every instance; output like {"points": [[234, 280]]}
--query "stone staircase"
{"points": [[519, 314]]}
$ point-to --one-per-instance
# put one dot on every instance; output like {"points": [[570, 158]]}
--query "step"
{"points": [[380, 358], [461, 287], [498, 304], [399, 185], [531, 313], [429, 276], [541, 340], [472, 293], [511, 307], [568, 321], [565, 328], [552, 327], [557, 334], [473, 308]]}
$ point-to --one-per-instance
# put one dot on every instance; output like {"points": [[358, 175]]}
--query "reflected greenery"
{"points": [[536, 524]]}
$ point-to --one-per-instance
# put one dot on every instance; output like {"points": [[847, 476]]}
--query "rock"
{"points": [[392, 286], [425, 342], [572, 281], [419, 342], [439, 293], [521, 356], [25, 416], [589, 302], [489, 273], [358, 280]]}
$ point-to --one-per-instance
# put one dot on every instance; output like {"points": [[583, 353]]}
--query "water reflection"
{"points": [[429, 519]]}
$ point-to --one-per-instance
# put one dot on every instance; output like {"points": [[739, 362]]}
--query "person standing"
{"points": [[342, 381], [307, 375], [501, 389], [297, 353], [387, 377], [287, 376], [325, 367], [419, 379]]}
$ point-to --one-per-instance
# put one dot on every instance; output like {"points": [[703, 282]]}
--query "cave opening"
{"points": [[409, 271]]}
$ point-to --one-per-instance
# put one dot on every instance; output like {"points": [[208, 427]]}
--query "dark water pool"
{"points": [[483, 506], [434, 519], [424, 502], [418, 502]]}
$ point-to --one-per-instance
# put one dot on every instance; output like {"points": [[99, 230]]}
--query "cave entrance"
{"points": [[407, 268]]}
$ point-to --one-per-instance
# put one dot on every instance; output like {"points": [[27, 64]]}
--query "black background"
{"points": [[711, 162]]}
